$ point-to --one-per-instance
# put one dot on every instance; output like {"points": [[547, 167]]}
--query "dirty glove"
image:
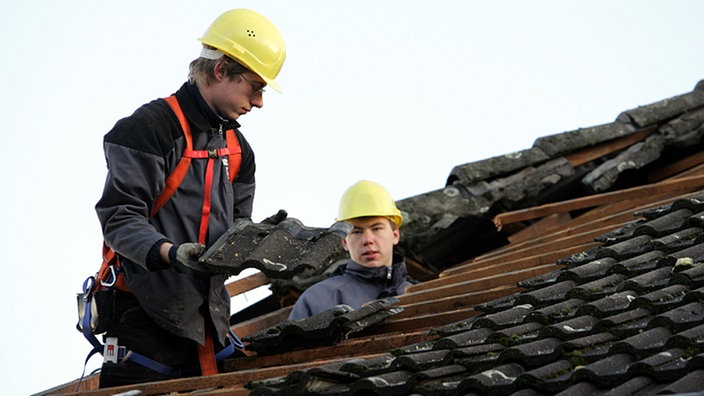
{"points": [[277, 218], [184, 258]]}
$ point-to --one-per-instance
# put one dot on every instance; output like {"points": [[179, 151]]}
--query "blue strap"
{"points": [[123, 353], [235, 342], [85, 325], [142, 360]]}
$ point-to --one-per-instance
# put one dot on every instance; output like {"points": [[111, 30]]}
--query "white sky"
{"points": [[398, 92]]}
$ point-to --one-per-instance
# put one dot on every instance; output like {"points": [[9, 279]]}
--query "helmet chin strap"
{"points": [[208, 53]]}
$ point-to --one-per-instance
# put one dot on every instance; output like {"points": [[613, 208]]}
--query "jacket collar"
{"points": [[199, 112], [397, 271]]}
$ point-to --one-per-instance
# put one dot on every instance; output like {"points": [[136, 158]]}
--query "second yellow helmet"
{"points": [[366, 198]]}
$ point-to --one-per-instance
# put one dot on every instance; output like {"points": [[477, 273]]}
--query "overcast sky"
{"points": [[398, 92]]}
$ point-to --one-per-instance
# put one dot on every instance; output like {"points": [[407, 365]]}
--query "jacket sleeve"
{"points": [[136, 174], [244, 199]]}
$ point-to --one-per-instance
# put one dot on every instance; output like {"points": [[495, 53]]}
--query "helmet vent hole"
{"points": [[251, 33]]}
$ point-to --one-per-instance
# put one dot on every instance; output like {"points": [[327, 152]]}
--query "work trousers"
{"points": [[136, 331]]}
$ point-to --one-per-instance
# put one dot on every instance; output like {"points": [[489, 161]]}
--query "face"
{"points": [[371, 241], [234, 97]]}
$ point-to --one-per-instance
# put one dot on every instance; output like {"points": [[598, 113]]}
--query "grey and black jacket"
{"points": [[354, 286], [141, 151]]}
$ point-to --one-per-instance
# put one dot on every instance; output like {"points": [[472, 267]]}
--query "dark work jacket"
{"points": [[141, 151], [356, 286]]}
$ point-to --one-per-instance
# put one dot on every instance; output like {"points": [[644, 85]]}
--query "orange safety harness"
{"points": [[110, 274]]}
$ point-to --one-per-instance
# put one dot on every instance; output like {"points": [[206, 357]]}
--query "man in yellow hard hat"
{"points": [[372, 271], [172, 317]]}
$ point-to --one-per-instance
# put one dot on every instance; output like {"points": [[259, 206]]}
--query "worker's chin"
{"points": [[371, 263]]}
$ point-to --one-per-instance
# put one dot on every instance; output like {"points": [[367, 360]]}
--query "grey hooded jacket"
{"points": [[355, 286], [141, 151]]}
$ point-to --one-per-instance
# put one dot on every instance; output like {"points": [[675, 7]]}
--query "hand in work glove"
{"points": [[277, 218], [184, 258]]}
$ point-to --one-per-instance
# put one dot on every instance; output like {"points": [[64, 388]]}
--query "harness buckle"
{"points": [[213, 153]]}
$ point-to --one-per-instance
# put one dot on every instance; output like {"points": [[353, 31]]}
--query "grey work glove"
{"points": [[184, 258], [276, 218]]}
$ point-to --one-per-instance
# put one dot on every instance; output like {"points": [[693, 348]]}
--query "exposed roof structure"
{"points": [[573, 267]]}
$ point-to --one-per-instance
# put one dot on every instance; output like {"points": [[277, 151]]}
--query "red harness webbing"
{"points": [[173, 181]]}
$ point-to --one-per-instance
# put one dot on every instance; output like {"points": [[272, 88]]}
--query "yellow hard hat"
{"points": [[366, 198], [251, 39]]}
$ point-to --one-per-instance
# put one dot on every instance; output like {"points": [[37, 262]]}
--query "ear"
{"points": [[218, 71], [344, 244], [397, 236]]}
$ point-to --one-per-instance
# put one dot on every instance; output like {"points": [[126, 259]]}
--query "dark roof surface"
{"points": [[573, 267]]}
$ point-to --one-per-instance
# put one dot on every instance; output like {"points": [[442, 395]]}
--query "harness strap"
{"points": [[205, 211], [206, 353], [235, 156], [176, 177], [233, 151]]}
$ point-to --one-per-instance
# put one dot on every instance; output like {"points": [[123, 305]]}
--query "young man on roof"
{"points": [[174, 313], [373, 271]]}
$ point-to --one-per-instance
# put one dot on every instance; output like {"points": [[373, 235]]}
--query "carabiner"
{"points": [[112, 278]]}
